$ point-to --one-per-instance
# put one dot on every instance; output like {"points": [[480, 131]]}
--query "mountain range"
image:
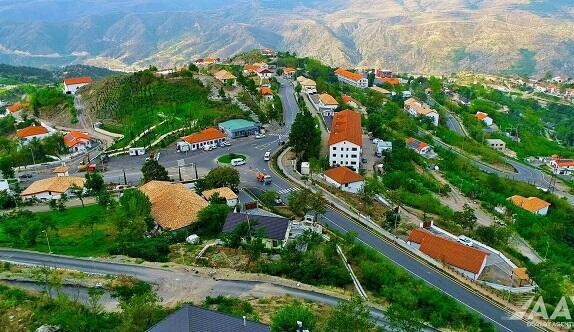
{"points": [[526, 37]]}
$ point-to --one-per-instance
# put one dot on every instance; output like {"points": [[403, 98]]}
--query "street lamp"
{"points": [[47, 240], [33, 159]]}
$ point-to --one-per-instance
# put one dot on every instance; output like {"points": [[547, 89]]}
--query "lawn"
{"points": [[71, 233], [226, 158]]}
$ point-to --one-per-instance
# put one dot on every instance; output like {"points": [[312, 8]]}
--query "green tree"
{"points": [[6, 167], [7, 201], [392, 219], [351, 315], [305, 136], [222, 177], [304, 201], [94, 182], [105, 199], [465, 218], [131, 214], [140, 311], [210, 219], [95, 294], [285, 320], [78, 192], [268, 198], [152, 170]]}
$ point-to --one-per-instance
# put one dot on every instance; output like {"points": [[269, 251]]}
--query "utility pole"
{"points": [[195, 166], [179, 172], [47, 240], [125, 178]]}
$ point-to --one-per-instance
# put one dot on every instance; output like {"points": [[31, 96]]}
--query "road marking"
{"points": [[288, 190]]}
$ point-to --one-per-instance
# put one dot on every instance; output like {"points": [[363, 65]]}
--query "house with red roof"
{"points": [[196, 141], [288, 72], [27, 134], [266, 93], [16, 107], [327, 104], [418, 109], [466, 260], [77, 141], [205, 61], [264, 72], [561, 166], [346, 140], [344, 179], [481, 116], [72, 84], [419, 147], [531, 204], [351, 78]]}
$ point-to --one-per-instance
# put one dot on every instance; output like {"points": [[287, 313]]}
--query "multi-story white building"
{"points": [[346, 140], [354, 79], [416, 109], [308, 86], [72, 84]]}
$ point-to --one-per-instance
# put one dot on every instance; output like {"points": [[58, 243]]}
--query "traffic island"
{"points": [[226, 158]]}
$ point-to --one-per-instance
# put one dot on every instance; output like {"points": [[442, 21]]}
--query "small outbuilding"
{"points": [[345, 179], [239, 128], [275, 229], [224, 192]]}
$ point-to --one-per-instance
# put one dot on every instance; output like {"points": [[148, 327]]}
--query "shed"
{"points": [[239, 128]]}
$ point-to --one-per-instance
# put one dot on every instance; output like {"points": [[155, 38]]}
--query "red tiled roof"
{"points": [[348, 74], [346, 126], [78, 80], [251, 68], [288, 70], [532, 204], [265, 91], [390, 80], [347, 99], [449, 251], [327, 99], [419, 147], [31, 131], [343, 175], [17, 107], [204, 135], [481, 115], [565, 163], [74, 137]]}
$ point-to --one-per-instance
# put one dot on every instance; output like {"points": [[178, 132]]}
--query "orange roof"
{"points": [[74, 137], [415, 143], [532, 204], [348, 74], [204, 135], [481, 115], [327, 99], [17, 107], [251, 67], [31, 131], [343, 175], [265, 91], [209, 60], [390, 80], [58, 184], [449, 251], [564, 163], [288, 70], [346, 126], [347, 99], [78, 80]]}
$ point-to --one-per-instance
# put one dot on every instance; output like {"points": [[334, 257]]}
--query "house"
{"points": [[17, 107], [389, 80], [72, 84], [481, 116], [344, 179], [327, 104], [561, 166], [191, 318], [559, 79], [208, 136], [267, 52], [381, 90], [466, 260], [225, 77], [275, 229], [266, 93], [346, 140], [419, 147], [62, 170], [249, 70], [531, 204], [383, 73], [32, 132], [223, 192], [52, 188], [288, 72], [417, 109], [173, 206], [205, 61], [264, 72], [351, 78], [383, 146], [77, 141], [496, 144], [308, 86], [239, 128], [350, 101]]}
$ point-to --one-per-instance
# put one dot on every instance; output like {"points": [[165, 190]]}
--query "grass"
{"points": [[226, 158], [72, 234]]}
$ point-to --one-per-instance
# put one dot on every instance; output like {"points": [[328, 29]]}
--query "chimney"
{"points": [[244, 321]]}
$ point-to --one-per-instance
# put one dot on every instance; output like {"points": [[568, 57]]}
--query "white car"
{"points": [[267, 156], [465, 240], [259, 135], [376, 140], [207, 147]]}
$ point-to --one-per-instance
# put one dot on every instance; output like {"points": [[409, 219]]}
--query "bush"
{"points": [[150, 249]]}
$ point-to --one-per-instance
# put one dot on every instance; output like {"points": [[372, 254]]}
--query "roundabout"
{"points": [[226, 158]]}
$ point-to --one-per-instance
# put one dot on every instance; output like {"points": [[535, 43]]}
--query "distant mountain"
{"points": [[437, 36], [23, 74]]}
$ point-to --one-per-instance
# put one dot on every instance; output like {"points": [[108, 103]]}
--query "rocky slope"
{"points": [[437, 36]]}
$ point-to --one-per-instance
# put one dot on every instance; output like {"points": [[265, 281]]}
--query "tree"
{"points": [[222, 177], [285, 320], [105, 199], [131, 214], [6, 169], [392, 219], [139, 311], [94, 182], [95, 294], [465, 218], [152, 170], [351, 315], [78, 192], [7, 201], [268, 198], [304, 201], [210, 219], [305, 136]]}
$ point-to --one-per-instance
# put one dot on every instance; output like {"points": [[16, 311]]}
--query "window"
{"points": [[347, 149], [353, 162], [334, 155], [275, 244], [334, 148], [353, 156], [354, 149], [346, 156]]}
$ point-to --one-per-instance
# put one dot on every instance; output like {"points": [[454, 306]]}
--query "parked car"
{"points": [[237, 162], [222, 144], [259, 135], [226, 143], [207, 147], [278, 201], [26, 176], [465, 240]]}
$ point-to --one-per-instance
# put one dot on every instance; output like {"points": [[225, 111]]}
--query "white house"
{"points": [[224, 76], [344, 179], [288, 72], [354, 79], [52, 188], [33, 132], [531, 204], [224, 192], [559, 79], [308, 86], [266, 93], [264, 73], [327, 104], [416, 109], [77, 141], [419, 147], [72, 84], [62, 170], [561, 166], [196, 141], [484, 118], [346, 140], [496, 144]]}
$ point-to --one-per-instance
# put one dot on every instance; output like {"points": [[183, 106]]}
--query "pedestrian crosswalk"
{"points": [[288, 190]]}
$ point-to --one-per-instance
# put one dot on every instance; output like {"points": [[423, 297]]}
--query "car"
{"points": [[214, 146], [260, 136], [237, 162], [207, 147], [267, 156], [222, 144], [226, 143], [26, 176], [278, 201], [376, 140], [464, 240]]}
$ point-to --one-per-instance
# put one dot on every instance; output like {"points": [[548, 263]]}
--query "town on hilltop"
{"points": [[271, 192]]}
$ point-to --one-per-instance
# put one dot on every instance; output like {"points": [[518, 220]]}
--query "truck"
{"points": [[263, 178]]}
